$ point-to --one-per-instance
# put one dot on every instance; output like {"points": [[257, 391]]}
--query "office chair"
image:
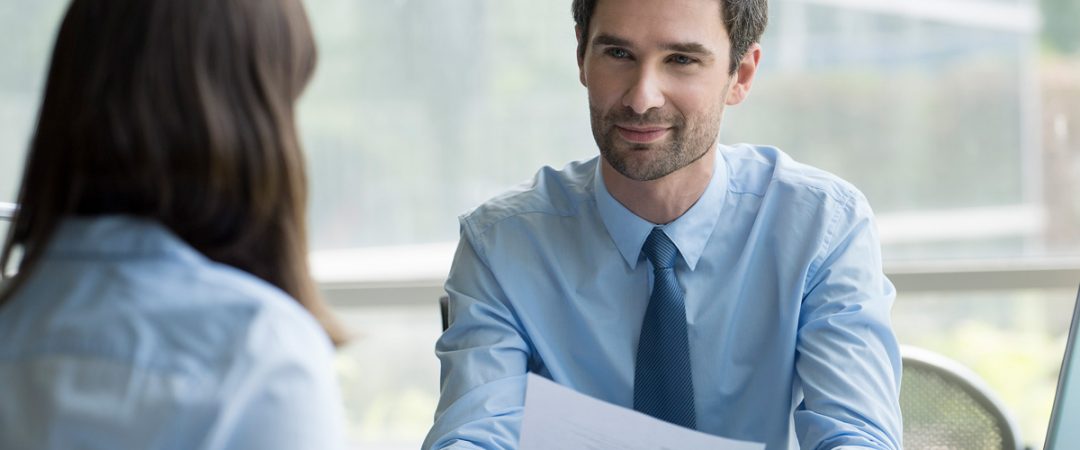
{"points": [[444, 309], [7, 213], [7, 210], [946, 406]]}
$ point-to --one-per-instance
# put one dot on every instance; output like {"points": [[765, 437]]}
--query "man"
{"points": [[726, 289]]}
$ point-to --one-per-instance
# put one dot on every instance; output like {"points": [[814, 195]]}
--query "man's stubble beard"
{"points": [[686, 144]]}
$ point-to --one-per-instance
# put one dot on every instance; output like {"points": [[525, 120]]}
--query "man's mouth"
{"points": [[642, 134]]}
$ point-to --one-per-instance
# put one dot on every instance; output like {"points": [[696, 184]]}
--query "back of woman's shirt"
{"points": [[124, 337]]}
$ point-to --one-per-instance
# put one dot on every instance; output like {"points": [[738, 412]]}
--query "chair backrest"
{"points": [[945, 405], [7, 211], [444, 309]]}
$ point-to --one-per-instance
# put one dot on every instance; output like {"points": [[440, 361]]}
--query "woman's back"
{"points": [[126, 337], [162, 298]]}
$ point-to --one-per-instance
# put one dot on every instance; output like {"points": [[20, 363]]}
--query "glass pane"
{"points": [[957, 119], [939, 113], [935, 118], [422, 109]]}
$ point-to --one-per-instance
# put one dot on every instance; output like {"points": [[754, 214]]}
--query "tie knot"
{"points": [[660, 250]]}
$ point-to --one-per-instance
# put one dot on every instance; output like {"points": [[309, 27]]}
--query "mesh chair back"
{"points": [[946, 406]]}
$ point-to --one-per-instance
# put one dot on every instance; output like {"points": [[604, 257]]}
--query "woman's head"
{"points": [[181, 111]]}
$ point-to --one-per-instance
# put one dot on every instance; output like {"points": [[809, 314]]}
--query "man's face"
{"points": [[657, 76]]}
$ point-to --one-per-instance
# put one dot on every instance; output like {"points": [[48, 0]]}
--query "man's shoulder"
{"points": [[550, 193], [760, 170]]}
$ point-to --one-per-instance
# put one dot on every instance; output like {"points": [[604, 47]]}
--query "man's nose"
{"points": [[645, 93]]}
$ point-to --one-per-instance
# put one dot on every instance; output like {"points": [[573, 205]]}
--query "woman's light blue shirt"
{"points": [[124, 337]]}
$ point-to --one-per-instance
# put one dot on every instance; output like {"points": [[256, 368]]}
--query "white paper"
{"points": [[557, 417]]}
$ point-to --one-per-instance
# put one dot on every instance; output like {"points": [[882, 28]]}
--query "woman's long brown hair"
{"points": [[181, 111]]}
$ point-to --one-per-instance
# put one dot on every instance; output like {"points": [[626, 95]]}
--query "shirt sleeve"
{"points": [[848, 359], [283, 394], [484, 356]]}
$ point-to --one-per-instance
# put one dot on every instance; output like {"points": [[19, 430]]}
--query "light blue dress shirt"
{"points": [[787, 306], [124, 337]]}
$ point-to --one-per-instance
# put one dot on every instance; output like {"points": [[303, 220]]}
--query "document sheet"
{"points": [[557, 417]]}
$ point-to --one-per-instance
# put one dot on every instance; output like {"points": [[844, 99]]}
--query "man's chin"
{"points": [[637, 165]]}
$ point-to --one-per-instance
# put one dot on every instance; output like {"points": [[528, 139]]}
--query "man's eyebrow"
{"points": [[607, 39], [688, 47], [681, 47]]}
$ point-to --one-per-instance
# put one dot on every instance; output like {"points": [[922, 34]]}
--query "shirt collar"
{"points": [[115, 235], [690, 232]]}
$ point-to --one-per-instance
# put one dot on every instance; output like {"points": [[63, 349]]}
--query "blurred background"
{"points": [[959, 119]]}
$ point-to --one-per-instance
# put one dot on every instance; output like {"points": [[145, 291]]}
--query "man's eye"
{"points": [[682, 60], [618, 53]]}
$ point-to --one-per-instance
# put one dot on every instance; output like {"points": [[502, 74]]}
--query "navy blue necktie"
{"points": [[663, 382]]}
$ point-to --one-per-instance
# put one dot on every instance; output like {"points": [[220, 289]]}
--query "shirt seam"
{"points": [[68, 255], [831, 233], [843, 199], [480, 232], [154, 367], [575, 203]]}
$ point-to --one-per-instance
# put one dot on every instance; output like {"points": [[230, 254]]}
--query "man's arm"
{"points": [[484, 358], [848, 360]]}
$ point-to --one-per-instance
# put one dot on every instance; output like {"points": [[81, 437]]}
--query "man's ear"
{"points": [[578, 32], [744, 75]]}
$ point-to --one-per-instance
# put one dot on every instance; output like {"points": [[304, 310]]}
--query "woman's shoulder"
{"points": [[157, 312]]}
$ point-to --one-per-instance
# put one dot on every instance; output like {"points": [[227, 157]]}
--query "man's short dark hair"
{"points": [[744, 19]]}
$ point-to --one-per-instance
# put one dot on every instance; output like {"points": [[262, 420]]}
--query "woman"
{"points": [[162, 297]]}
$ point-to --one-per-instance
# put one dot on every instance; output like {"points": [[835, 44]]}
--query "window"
{"points": [[960, 120]]}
